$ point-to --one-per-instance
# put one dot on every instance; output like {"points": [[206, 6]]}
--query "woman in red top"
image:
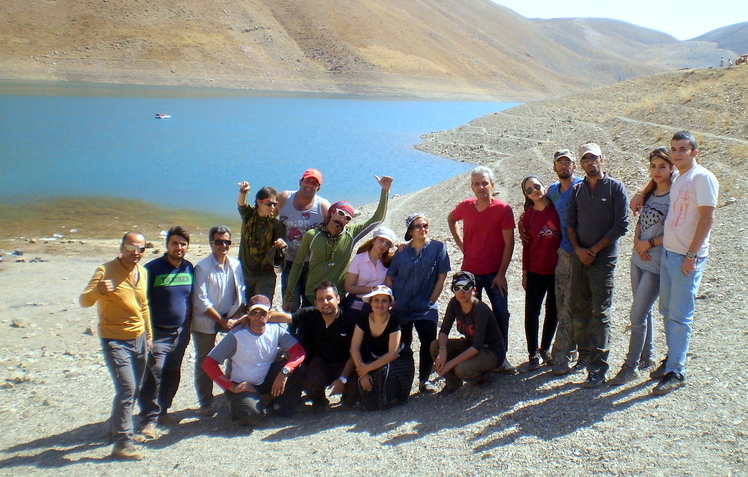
{"points": [[539, 257]]}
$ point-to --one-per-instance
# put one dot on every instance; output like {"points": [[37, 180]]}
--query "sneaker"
{"points": [[594, 380], [168, 419], [659, 373], [534, 363], [506, 368], [149, 431], [670, 382], [545, 355], [645, 364], [580, 367], [447, 390], [625, 375], [427, 387], [126, 451]]}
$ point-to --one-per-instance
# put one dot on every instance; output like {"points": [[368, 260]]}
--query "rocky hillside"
{"points": [[732, 37], [456, 48]]}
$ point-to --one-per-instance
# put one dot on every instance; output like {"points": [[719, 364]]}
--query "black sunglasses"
{"points": [[534, 187], [133, 248], [222, 243]]}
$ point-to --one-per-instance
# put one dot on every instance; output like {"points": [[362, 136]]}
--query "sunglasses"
{"points": [[222, 243], [421, 226], [464, 288], [134, 248], [268, 203], [532, 189], [258, 311], [588, 159], [343, 215]]}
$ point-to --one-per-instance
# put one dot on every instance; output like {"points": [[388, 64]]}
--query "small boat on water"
{"points": [[163, 116]]}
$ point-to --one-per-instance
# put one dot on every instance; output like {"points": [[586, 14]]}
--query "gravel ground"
{"points": [[56, 391]]}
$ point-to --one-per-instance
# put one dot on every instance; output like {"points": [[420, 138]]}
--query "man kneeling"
{"points": [[472, 357], [252, 369]]}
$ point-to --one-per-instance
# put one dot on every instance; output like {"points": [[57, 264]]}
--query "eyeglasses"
{"points": [[268, 203], [588, 159], [343, 215], [133, 248], [258, 311], [222, 243], [464, 288], [421, 226], [533, 188]]}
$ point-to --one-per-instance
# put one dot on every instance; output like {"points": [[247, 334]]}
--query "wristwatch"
{"points": [[690, 256], [343, 379], [285, 371]]}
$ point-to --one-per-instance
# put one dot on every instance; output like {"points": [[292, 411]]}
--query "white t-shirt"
{"points": [[696, 188]]}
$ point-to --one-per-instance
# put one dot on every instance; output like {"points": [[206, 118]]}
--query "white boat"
{"points": [[163, 116]]}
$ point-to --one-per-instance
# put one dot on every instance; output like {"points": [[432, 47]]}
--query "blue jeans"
{"points": [[499, 303], [164, 371], [645, 286], [677, 295], [126, 362]]}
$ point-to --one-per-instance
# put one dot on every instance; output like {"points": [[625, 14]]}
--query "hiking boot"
{"points": [[149, 431], [545, 355], [560, 369], [125, 450], [168, 419], [625, 375], [594, 380], [580, 367], [645, 364], [670, 382], [659, 373], [534, 363]]}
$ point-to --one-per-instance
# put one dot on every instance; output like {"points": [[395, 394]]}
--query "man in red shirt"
{"points": [[487, 243]]}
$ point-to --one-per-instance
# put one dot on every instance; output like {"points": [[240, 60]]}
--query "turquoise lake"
{"points": [[66, 139]]}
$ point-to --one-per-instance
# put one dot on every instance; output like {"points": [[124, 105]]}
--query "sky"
{"points": [[684, 19]]}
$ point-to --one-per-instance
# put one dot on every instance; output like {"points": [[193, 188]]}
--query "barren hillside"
{"points": [[456, 48]]}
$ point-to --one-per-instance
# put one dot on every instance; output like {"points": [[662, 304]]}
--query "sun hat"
{"points": [[385, 232], [409, 221], [378, 290]]}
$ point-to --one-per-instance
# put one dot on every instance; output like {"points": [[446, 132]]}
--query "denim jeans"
{"points": [[538, 286], [126, 362], [645, 286], [300, 285], [164, 371], [426, 329], [591, 299], [677, 295], [204, 343], [564, 345], [499, 303]]}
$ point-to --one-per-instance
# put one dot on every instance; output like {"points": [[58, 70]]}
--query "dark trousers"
{"points": [[426, 330], [164, 371], [499, 303], [538, 288], [248, 407], [300, 285], [319, 374]]}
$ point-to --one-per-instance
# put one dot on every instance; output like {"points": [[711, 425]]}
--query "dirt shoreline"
{"points": [[57, 393]]}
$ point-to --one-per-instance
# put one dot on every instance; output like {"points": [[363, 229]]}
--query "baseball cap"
{"points": [[589, 148], [313, 173], [378, 290], [463, 278], [259, 301], [563, 153]]}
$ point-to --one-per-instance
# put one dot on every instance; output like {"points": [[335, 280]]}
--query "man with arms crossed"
{"points": [[597, 217], [170, 279], [217, 305], [119, 289], [487, 243]]}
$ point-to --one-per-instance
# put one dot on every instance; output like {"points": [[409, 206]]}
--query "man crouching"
{"points": [[252, 369]]}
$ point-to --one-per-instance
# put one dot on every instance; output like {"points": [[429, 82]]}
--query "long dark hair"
{"points": [[528, 201]]}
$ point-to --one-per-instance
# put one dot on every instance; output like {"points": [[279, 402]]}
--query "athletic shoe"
{"points": [[534, 363], [166, 419], [560, 369], [594, 380], [670, 382], [659, 373], [580, 367], [546, 356], [427, 387], [506, 368]]}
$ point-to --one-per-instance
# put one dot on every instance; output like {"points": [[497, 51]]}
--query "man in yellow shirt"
{"points": [[119, 289]]}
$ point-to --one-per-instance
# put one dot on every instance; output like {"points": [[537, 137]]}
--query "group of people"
{"points": [[348, 320]]}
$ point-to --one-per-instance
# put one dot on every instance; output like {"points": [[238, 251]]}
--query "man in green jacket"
{"points": [[330, 246]]}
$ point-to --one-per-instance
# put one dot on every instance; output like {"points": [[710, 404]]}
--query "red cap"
{"points": [[313, 173]]}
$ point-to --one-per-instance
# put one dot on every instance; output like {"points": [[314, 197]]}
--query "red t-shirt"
{"points": [[541, 254], [482, 238]]}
